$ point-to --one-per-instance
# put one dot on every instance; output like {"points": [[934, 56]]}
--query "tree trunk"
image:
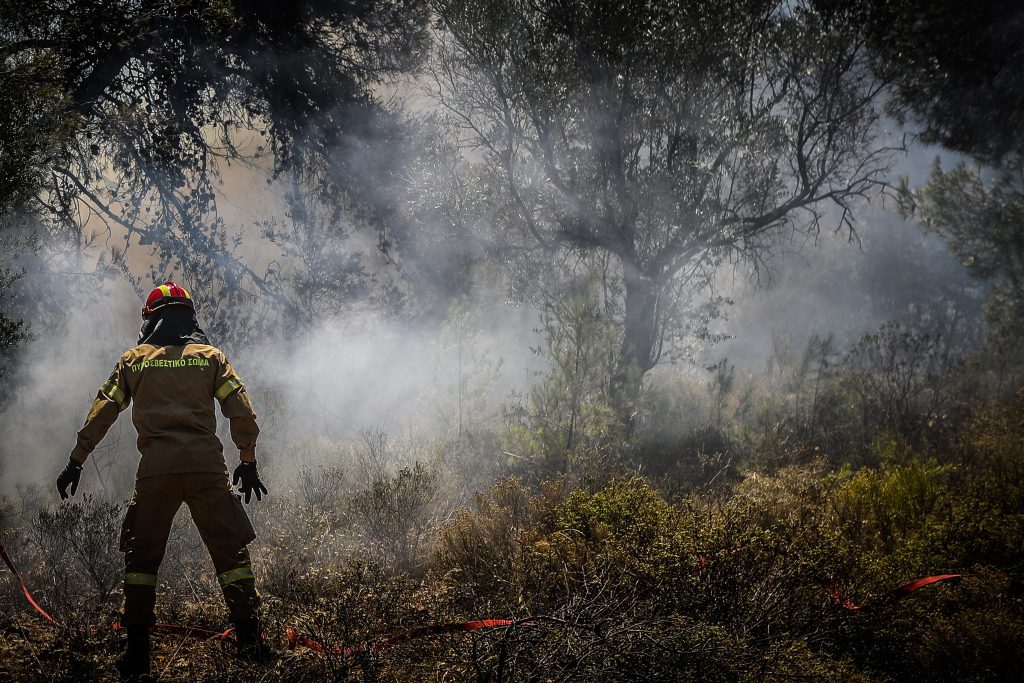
{"points": [[636, 355]]}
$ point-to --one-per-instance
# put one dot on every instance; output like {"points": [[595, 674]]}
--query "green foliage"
{"points": [[616, 580], [885, 511], [972, 634], [980, 223], [32, 126], [954, 68], [31, 129], [914, 516], [639, 145], [817, 401], [153, 101], [627, 519], [568, 423]]}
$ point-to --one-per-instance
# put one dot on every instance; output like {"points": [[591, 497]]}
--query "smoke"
{"points": [[59, 373], [848, 286], [332, 381], [347, 375], [848, 289], [359, 368]]}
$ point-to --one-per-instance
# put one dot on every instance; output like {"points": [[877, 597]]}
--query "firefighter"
{"points": [[173, 376]]}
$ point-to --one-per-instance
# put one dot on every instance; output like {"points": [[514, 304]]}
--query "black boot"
{"points": [[133, 664], [251, 645]]}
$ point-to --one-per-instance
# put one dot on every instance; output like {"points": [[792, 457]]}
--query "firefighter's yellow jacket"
{"points": [[173, 389]]}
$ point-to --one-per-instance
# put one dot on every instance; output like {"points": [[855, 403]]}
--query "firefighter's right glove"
{"points": [[246, 473], [70, 476]]}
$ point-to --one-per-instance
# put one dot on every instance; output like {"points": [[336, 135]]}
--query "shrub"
{"points": [[321, 491], [628, 519], [395, 514], [78, 545], [484, 549]]}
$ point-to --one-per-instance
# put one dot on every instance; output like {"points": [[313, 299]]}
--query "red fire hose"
{"points": [[294, 637]]}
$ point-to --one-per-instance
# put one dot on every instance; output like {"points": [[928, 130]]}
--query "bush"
{"points": [[78, 546], [628, 519], [395, 514], [485, 549], [321, 492], [614, 579]]}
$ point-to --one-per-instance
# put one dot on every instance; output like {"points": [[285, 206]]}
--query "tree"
{"points": [[955, 70], [956, 73], [564, 418], [981, 224], [161, 94], [669, 136], [30, 130]]}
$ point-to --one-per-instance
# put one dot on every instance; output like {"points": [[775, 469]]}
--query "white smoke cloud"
{"points": [[338, 379], [347, 374], [60, 373]]}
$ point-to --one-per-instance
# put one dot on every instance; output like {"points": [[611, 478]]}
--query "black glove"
{"points": [[246, 472], [71, 474]]}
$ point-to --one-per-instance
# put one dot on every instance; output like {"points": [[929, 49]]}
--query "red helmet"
{"points": [[167, 294]]}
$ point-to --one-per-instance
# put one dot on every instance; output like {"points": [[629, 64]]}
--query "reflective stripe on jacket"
{"points": [[172, 390]]}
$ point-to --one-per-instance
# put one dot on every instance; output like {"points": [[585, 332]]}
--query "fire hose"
{"points": [[295, 638]]}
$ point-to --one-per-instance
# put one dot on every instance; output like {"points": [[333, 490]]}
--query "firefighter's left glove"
{"points": [[70, 476], [250, 478]]}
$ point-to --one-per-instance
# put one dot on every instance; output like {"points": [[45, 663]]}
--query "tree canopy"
{"points": [[668, 136], [956, 74], [157, 95], [955, 71]]}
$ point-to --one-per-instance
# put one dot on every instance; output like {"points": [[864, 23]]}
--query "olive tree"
{"points": [[669, 136], [159, 96]]}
